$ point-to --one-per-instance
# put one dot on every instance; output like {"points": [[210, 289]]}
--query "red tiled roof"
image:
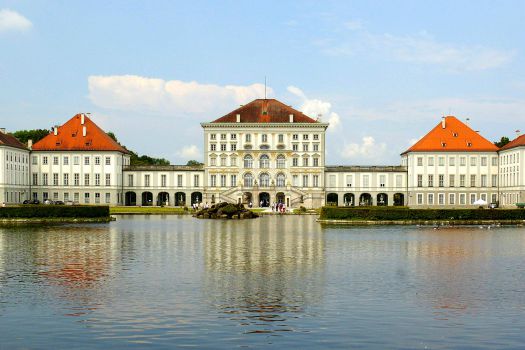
{"points": [[455, 136], [11, 141], [265, 111], [70, 138], [518, 141]]}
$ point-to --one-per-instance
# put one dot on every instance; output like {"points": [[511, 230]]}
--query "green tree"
{"points": [[194, 163], [26, 135], [502, 142]]}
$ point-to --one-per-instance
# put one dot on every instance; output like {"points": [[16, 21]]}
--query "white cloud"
{"points": [[189, 152], [368, 148], [314, 108], [418, 48], [143, 94], [13, 21]]}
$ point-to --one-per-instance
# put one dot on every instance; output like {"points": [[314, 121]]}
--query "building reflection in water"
{"points": [[449, 267], [265, 273]]}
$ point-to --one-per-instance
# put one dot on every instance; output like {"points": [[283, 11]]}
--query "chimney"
{"points": [[82, 119], [291, 118], [84, 131], [443, 122], [55, 130], [238, 118], [2, 130], [30, 144]]}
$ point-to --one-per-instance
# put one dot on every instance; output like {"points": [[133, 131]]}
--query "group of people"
{"points": [[199, 205], [279, 207]]}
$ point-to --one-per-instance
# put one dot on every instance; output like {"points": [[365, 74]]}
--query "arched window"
{"points": [[248, 180], [281, 161], [248, 161], [280, 180], [264, 180], [264, 161], [233, 161]]}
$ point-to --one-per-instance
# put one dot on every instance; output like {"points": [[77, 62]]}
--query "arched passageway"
{"points": [[399, 199], [349, 199], [180, 199], [280, 197], [147, 198], [365, 199], [382, 199], [247, 198], [264, 199], [332, 199], [163, 199], [130, 198], [196, 197]]}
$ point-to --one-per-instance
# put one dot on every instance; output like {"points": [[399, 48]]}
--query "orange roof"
{"points": [[11, 141], [70, 137], [265, 111], [517, 142], [452, 135]]}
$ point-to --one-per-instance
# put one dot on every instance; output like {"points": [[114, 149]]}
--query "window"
{"points": [[441, 180], [223, 147], [483, 180], [419, 161], [213, 180], [264, 180], [420, 180], [76, 179], [483, 161], [305, 137], [305, 147], [248, 138], [472, 198], [295, 161], [233, 180], [316, 136], [179, 180], [295, 137], [130, 180], [366, 180], [223, 180], [108, 162], [280, 138], [399, 181], [264, 138], [108, 198], [55, 160], [223, 161], [264, 161], [281, 161], [248, 180], [233, 136], [86, 161], [295, 180], [431, 161], [76, 161], [248, 161], [44, 160], [305, 180], [494, 180], [472, 180], [196, 180], [44, 179], [494, 161], [316, 147], [213, 161], [233, 147], [430, 199], [473, 161], [65, 160], [86, 198], [86, 179], [451, 198], [97, 179], [331, 180], [430, 180], [55, 179], [97, 198], [280, 180], [462, 199], [108, 179], [382, 180], [420, 198], [462, 161], [462, 180], [66, 179], [35, 179], [213, 137], [451, 180], [316, 161], [295, 147], [66, 196], [223, 136], [213, 147], [146, 180], [452, 161], [441, 161], [163, 180], [97, 162], [305, 161], [441, 198], [315, 180], [233, 161], [34, 160]]}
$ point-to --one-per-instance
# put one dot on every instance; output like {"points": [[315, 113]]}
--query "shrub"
{"points": [[359, 213], [55, 211]]}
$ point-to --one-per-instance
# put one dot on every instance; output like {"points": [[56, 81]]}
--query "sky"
{"points": [[382, 73]]}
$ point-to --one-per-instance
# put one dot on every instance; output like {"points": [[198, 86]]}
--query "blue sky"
{"points": [[382, 72]]}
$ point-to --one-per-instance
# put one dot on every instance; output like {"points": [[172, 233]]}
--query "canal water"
{"points": [[275, 282]]}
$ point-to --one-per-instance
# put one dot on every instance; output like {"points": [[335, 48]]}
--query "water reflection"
{"points": [[266, 273]]}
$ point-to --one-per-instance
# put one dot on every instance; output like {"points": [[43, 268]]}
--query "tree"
{"points": [[502, 142], [194, 163], [136, 159], [26, 135]]}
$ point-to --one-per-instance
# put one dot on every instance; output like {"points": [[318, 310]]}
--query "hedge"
{"points": [[55, 211], [357, 213]]}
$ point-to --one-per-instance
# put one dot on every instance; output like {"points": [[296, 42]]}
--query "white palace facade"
{"points": [[261, 153]]}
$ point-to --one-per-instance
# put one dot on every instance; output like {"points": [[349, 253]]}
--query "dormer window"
{"points": [[469, 144], [443, 144]]}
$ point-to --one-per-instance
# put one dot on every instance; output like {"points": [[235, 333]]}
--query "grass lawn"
{"points": [[147, 210]]}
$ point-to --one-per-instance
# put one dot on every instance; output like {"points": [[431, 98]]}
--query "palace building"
{"points": [[262, 153]]}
